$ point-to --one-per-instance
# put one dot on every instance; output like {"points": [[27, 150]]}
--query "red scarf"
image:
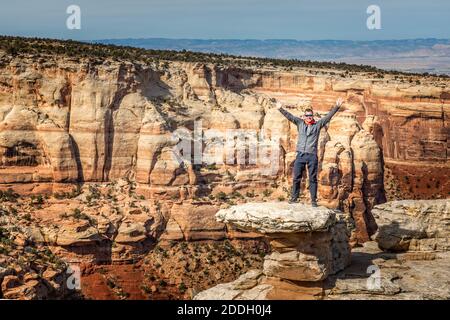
{"points": [[309, 122]]}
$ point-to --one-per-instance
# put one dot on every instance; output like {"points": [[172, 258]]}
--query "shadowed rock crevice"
{"points": [[109, 127], [76, 156]]}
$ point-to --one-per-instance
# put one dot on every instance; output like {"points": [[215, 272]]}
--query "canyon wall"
{"points": [[64, 121]]}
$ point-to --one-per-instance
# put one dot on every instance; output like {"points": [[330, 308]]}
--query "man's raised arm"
{"points": [[323, 121], [287, 114]]}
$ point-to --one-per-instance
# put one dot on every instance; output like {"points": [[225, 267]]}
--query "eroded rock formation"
{"points": [[110, 129], [412, 265], [413, 261], [65, 120], [413, 225], [308, 244]]}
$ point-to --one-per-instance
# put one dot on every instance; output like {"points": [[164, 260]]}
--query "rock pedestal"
{"points": [[307, 243]]}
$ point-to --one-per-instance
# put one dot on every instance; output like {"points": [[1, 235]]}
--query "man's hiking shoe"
{"points": [[314, 204], [291, 200]]}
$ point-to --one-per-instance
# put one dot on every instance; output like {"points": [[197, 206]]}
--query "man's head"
{"points": [[309, 114]]}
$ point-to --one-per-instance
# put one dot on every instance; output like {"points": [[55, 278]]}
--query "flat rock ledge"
{"points": [[277, 217], [308, 244]]}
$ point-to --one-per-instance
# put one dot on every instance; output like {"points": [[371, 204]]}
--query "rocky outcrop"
{"points": [[28, 285], [378, 275], [277, 218], [413, 264], [308, 244], [116, 128], [65, 120], [95, 224], [29, 271], [413, 225], [408, 259]]}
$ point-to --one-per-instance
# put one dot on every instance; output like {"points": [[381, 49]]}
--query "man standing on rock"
{"points": [[308, 137]]}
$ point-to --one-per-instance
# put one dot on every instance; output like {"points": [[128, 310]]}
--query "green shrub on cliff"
{"points": [[182, 287], [4, 234], [8, 195]]}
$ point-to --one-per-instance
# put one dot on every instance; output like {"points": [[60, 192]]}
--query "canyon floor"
{"points": [[117, 258], [35, 251]]}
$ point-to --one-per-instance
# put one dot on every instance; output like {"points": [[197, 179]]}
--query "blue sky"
{"points": [[228, 19]]}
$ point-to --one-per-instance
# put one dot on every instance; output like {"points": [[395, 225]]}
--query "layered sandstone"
{"points": [[123, 245], [417, 232], [378, 275], [408, 259], [308, 244], [65, 120], [413, 225], [114, 128], [28, 271]]}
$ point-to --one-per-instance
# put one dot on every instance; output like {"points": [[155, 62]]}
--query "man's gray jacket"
{"points": [[308, 135]]}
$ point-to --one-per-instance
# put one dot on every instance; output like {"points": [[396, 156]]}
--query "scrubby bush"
{"points": [[8, 195]]}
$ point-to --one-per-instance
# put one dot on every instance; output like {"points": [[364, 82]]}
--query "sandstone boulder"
{"points": [[196, 221], [414, 225], [308, 244], [246, 286], [76, 233]]}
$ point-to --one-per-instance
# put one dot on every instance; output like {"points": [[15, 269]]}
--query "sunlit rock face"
{"points": [[413, 225], [65, 120]]}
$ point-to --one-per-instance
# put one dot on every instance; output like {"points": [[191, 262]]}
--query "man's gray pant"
{"points": [[301, 161]]}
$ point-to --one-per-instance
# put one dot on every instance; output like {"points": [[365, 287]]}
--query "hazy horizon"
{"points": [[227, 19], [266, 39], [224, 39]]}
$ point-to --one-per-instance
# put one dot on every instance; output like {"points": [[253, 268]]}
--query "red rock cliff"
{"points": [[64, 121]]}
